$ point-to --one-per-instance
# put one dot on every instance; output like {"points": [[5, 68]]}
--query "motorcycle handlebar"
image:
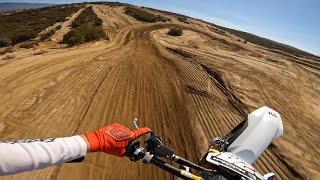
{"points": [[173, 170], [134, 153]]}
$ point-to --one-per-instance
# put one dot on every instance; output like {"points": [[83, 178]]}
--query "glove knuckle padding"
{"points": [[118, 133], [113, 139]]}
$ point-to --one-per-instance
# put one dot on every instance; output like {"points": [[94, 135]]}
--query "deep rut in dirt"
{"points": [[187, 89]]}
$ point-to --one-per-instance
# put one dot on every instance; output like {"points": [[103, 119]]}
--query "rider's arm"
{"points": [[26, 155]]}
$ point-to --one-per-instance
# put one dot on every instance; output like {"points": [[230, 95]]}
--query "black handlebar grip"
{"points": [[167, 167]]}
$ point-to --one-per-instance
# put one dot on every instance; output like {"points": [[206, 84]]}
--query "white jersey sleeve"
{"points": [[26, 155]]}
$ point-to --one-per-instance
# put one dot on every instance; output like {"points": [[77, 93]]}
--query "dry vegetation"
{"points": [[176, 15], [201, 84], [175, 31], [58, 27], [40, 52], [248, 37], [5, 42], [86, 27], [6, 50], [29, 44], [21, 26], [8, 56], [144, 16], [268, 43], [48, 34], [183, 19], [111, 4]]}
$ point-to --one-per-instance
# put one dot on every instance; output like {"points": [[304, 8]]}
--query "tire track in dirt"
{"points": [[185, 100], [113, 20], [145, 94], [43, 67], [242, 110]]}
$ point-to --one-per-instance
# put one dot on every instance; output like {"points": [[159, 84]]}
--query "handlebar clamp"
{"points": [[134, 152], [155, 146]]}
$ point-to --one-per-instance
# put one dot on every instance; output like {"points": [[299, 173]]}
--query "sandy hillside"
{"points": [[188, 89]]}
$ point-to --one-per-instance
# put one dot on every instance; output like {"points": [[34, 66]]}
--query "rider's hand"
{"points": [[113, 139]]}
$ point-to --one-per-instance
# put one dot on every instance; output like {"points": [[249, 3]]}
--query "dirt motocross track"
{"points": [[188, 89]]}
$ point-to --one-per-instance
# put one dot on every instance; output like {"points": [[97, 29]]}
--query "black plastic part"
{"points": [[235, 133], [191, 165], [130, 150], [155, 147], [76, 160], [163, 151], [167, 167]]}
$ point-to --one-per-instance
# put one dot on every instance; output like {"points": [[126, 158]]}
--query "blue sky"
{"points": [[292, 22]]}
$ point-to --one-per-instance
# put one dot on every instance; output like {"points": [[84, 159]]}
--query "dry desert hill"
{"points": [[89, 65]]}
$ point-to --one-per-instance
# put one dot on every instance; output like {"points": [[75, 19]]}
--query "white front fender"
{"points": [[264, 125]]}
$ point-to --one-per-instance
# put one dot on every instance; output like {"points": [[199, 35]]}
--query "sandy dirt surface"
{"points": [[168, 84]]}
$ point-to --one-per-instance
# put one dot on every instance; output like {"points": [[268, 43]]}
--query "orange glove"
{"points": [[113, 139]]}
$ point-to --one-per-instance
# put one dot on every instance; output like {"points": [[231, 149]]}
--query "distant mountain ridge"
{"points": [[7, 6]]}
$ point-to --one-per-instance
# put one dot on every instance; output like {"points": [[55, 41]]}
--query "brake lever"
{"points": [[135, 122]]}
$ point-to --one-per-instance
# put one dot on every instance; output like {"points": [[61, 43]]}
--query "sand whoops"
{"points": [[188, 89]]}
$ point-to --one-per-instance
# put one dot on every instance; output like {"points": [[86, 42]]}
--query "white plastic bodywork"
{"points": [[233, 164], [264, 125]]}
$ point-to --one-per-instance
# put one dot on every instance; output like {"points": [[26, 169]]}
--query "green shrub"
{"points": [[86, 27], [98, 22], [183, 19], [21, 26], [47, 35], [86, 16], [58, 27], [75, 24], [60, 19], [4, 42], [92, 34], [76, 37], [73, 37], [175, 31], [144, 16], [22, 37]]}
